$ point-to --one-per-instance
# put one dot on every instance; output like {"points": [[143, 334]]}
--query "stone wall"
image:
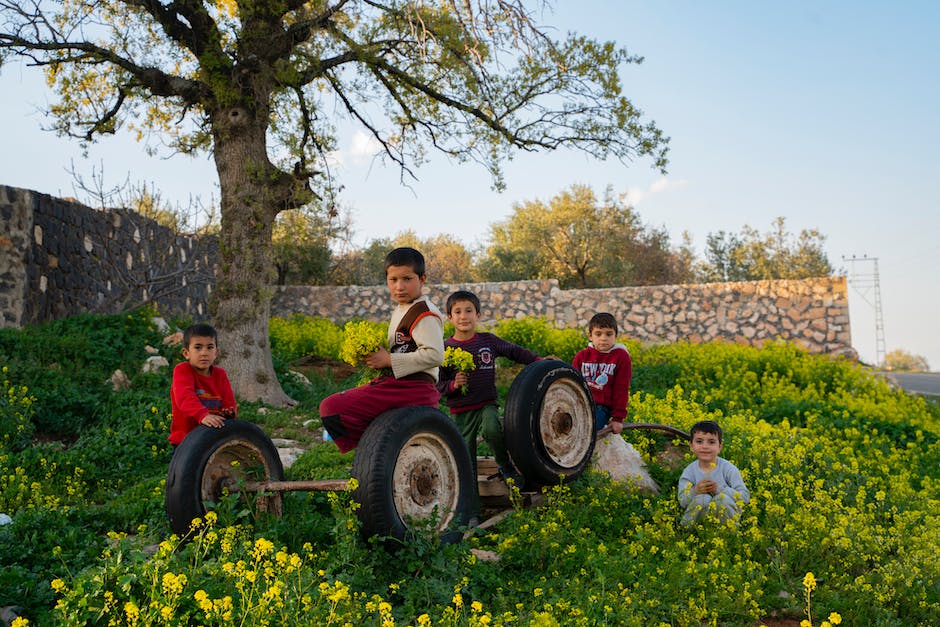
{"points": [[811, 312], [59, 258]]}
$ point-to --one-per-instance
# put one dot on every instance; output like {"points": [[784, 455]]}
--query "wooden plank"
{"points": [[486, 468], [325, 485]]}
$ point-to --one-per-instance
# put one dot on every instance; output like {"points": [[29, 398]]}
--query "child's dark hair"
{"points": [[200, 329], [602, 321], [462, 295], [406, 256], [706, 426]]}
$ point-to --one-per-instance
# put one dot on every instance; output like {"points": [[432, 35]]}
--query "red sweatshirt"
{"points": [[193, 396], [608, 375]]}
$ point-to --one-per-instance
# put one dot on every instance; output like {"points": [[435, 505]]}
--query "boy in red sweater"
{"points": [[200, 392], [606, 367]]}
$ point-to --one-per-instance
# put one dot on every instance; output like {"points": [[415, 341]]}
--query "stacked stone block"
{"points": [[64, 258]]}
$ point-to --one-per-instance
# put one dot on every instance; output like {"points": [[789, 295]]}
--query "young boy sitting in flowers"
{"points": [[468, 381], [711, 485], [414, 355]]}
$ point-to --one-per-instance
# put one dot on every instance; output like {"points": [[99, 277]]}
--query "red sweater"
{"points": [[193, 396], [608, 375]]}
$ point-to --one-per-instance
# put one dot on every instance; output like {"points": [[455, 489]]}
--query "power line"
{"points": [[867, 284]]}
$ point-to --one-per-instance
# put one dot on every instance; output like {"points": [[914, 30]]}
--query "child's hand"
{"points": [[461, 379], [616, 426], [378, 360], [706, 486], [213, 420]]}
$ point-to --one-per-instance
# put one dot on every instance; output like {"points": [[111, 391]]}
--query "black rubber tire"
{"points": [[412, 466], [202, 468], [549, 423]]}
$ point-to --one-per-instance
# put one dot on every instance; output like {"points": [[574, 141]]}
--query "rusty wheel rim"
{"points": [[425, 483], [566, 422], [230, 466]]}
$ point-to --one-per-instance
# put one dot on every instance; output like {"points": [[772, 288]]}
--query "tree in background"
{"points": [[448, 260], [262, 85], [751, 256], [302, 254], [581, 242], [899, 360]]}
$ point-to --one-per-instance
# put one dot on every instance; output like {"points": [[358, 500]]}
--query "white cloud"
{"points": [[636, 195], [362, 148]]}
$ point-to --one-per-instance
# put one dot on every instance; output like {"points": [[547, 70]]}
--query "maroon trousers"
{"points": [[346, 414]]}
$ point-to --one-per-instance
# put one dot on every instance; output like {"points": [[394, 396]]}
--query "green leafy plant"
{"points": [[842, 472]]}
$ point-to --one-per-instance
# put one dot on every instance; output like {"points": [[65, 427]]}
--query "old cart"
{"points": [[411, 465]]}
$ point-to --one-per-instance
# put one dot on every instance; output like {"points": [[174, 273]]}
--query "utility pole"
{"points": [[866, 283]]}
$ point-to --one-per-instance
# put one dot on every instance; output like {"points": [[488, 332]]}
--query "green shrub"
{"points": [[16, 412], [541, 337], [303, 336], [67, 364]]}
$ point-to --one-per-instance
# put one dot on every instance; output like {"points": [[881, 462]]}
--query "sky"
{"points": [[824, 113]]}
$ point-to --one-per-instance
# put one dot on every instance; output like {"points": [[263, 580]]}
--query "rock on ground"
{"points": [[617, 458]]}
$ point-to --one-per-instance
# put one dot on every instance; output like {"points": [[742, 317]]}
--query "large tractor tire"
{"points": [[549, 423], [210, 462], [413, 471]]}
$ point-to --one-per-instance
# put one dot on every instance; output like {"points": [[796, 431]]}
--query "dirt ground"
{"points": [[338, 370]]}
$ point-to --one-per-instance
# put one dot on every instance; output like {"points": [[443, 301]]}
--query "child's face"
{"points": [[464, 316], [403, 283], [201, 353], [706, 447], [603, 338]]}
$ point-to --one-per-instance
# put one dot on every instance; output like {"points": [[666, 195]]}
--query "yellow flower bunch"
{"points": [[460, 360], [360, 339]]}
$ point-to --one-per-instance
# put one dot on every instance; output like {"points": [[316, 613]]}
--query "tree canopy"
{"points": [[580, 241], [264, 86], [901, 360], [776, 254]]}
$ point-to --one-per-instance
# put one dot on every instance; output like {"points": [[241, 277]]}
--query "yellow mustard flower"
{"points": [[459, 360], [360, 339]]}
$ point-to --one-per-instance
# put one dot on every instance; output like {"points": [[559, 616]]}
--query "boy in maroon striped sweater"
{"points": [[471, 396]]}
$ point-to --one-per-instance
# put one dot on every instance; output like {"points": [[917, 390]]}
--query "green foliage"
{"points": [[582, 243], [16, 412], [301, 241], [841, 468], [751, 256], [66, 364], [301, 336], [541, 337]]}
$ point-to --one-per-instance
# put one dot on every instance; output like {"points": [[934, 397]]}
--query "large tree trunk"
{"points": [[253, 193]]}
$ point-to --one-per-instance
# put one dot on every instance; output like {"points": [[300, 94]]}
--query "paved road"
{"points": [[918, 383]]}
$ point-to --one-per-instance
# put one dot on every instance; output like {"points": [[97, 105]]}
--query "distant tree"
{"points": [[448, 260], [580, 241], [899, 360], [301, 242], [776, 254], [263, 85], [361, 266]]}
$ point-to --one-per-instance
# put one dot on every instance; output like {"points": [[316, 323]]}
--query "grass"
{"points": [[842, 470]]}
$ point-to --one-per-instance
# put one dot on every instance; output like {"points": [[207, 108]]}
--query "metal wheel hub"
{"points": [[566, 424], [425, 484]]}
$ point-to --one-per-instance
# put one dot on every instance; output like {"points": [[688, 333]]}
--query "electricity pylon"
{"points": [[868, 287]]}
